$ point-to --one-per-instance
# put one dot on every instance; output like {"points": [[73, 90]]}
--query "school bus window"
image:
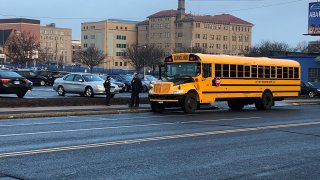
{"points": [[273, 72], [260, 71], [296, 73], [254, 71], [218, 70], [279, 72], [225, 70], [267, 72], [285, 73], [240, 71], [233, 70], [206, 68], [247, 71], [291, 72]]}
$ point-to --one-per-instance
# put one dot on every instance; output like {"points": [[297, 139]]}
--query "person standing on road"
{"points": [[136, 87], [107, 86]]}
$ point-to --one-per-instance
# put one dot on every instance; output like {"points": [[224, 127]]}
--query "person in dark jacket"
{"points": [[107, 86], [136, 87]]}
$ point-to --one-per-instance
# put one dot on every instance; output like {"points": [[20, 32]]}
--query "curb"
{"points": [[60, 114]]}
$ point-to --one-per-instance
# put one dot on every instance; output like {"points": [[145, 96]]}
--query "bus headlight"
{"points": [[177, 92]]}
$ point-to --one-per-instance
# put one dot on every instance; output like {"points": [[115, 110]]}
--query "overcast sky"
{"points": [[274, 20]]}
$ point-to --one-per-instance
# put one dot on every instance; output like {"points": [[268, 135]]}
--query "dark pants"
{"points": [[108, 97], [134, 99]]}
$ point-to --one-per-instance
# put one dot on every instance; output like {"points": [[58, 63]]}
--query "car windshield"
{"points": [[177, 70], [309, 84], [127, 77], [91, 77], [9, 74], [151, 78]]}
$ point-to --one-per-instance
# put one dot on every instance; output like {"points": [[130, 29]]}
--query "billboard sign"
{"points": [[314, 18]]}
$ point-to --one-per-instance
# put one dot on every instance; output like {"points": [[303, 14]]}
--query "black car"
{"points": [[124, 79], [33, 77], [47, 74], [13, 83], [307, 88]]}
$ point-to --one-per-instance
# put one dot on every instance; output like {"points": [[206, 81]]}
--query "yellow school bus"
{"points": [[189, 80]]}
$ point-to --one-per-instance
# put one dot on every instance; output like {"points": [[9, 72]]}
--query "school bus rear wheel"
{"points": [[266, 102]]}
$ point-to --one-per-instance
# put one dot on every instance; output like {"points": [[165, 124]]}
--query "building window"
{"points": [[120, 63], [204, 36], [198, 25], [92, 27], [125, 64], [92, 36], [197, 36], [179, 34], [116, 64]]}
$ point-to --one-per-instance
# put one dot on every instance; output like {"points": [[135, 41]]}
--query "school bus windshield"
{"points": [[187, 69]]}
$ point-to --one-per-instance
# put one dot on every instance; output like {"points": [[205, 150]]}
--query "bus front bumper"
{"points": [[167, 99]]}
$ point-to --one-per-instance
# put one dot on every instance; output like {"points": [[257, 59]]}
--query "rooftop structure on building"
{"points": [[20, 20]]}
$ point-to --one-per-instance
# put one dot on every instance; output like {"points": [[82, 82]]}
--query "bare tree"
{"points": [[144, 56], [21, 47], [45, 56], [91, 57], [267, 48]]}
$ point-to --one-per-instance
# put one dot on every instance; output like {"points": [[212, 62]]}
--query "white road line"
{"points": [[150, 139], [85, 121], [125, 126]]}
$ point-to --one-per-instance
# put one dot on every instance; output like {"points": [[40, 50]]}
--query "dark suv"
{"points": [[307, 88], [33, 77]]}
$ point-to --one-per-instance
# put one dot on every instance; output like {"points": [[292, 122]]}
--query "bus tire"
{"points": [[235, 105], [266, 102], [156, 107], [190, 103]]}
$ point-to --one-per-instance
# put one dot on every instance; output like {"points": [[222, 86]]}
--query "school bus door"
{"points": [[207, 82]]}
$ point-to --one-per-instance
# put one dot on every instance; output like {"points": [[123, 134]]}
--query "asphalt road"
{"points": [[282, 143], [48, 92]]}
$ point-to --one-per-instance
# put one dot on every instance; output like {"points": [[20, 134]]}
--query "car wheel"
{"points": [[61, 91], [145, 88], [42, 83], [311, 94], [89, 92], [21, 94], [126, 88]]}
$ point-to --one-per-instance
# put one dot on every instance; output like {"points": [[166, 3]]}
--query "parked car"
{"points": [[47, 74], [121, 85], [124, 79], [84, 84], [13, 83], [32, 76], [307, 88], [149, 80]]}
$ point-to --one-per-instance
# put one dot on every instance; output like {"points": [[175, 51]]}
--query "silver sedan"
{"points": [[84, 84]]}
